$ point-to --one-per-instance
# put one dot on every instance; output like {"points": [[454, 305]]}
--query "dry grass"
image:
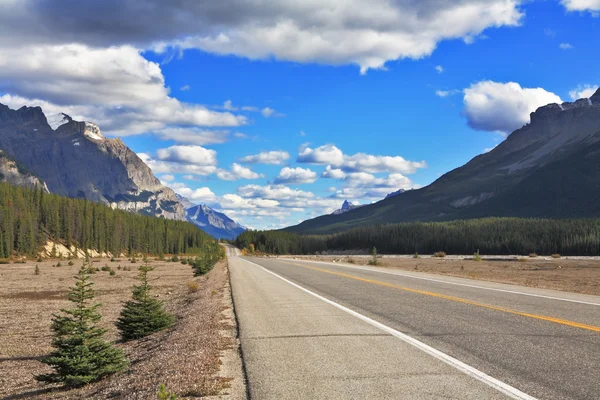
{"points": [[439, 254], [579, 276], [185, 358]]}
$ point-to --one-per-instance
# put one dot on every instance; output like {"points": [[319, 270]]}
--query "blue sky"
{"points": [[367, 111]]}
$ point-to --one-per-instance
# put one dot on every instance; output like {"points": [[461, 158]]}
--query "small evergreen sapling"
{"points": [[81, 354], [143, 315]]}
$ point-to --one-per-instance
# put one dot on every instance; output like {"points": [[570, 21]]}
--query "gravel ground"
{"points": [[577, 275], [187, 358]]}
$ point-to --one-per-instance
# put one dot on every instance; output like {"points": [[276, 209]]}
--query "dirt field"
{"points": [[186, 358], [570, 275]]}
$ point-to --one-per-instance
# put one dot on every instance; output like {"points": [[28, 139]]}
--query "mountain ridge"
{"points": [[549, 168]]}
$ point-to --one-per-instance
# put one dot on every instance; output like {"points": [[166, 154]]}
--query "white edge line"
{"points": [[492, 382], [447, 282]]}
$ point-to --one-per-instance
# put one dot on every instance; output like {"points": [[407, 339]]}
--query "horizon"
{"points": [[272, 135]]}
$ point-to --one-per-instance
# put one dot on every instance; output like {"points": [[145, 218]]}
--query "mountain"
{"points": [[15, 174], [396, 193], [216, 224], [346, 206], [74, 159], [549, 168]]}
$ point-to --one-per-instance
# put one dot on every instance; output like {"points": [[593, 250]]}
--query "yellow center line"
{"points": [[459, 300]]}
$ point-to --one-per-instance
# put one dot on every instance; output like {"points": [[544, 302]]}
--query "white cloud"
{"points": [[185, 88], [268, 157], [337, 32], [583, 92], [267, 112], [115, 87], [237, 172], [439, 69], [582, 5], [193, 135], [228, 105], [359, 162], [195, 155], [296, 175], [273, 192], [167, 178], [565, 46], [503, 107], [200, 195], [167, 167], [333, 173]]}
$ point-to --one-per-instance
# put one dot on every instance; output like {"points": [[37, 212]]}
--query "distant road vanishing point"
{"points": [[316, 330]]}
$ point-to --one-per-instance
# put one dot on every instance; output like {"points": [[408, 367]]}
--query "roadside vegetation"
{"points": [[495, 236]]}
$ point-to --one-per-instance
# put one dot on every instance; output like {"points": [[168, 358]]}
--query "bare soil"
{"points": [[186, 358], [569, 275]]}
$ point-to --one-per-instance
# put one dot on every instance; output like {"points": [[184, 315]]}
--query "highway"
{"points": [[316, 330]]}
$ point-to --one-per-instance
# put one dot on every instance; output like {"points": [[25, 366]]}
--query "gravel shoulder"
{"points": [[576, 275], [199, 357]]}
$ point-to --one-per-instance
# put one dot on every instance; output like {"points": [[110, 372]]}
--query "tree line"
{"points": [[29, 217], [501, 236]]}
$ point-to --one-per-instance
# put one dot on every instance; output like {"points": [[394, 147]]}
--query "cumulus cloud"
{"points": [[268, 157], [439, 69], [565, 46], [359, 162], [582, 5], [115, 87], [335, 32], [185, 88], [167, 167], [201, 195], [289, 175], [583, 92], [195, 155], [237, 172], [503, 107]]}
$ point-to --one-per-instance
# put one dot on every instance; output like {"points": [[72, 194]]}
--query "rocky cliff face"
{"points": [[74, 159], [14, 174], [346, 206], [549, 168]]}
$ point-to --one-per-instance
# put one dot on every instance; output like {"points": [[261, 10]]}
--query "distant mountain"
{"points": [[549, 168], [74, 159], [396, 193], [216, 224], [185, 202], [346, 206]]}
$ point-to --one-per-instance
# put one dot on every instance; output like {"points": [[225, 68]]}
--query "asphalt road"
{"points": [[315, 330]]}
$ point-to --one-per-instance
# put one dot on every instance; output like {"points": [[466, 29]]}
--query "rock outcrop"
{"points": [[74, 159]]}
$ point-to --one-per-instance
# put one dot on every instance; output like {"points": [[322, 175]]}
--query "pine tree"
{"points": [[143, 315], [82, 355]]}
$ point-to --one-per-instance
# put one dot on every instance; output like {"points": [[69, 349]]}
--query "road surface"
{"points": [[315, 330]]}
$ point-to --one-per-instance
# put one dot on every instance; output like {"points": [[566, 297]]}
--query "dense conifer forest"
{"points": [[499, 236], [29, 217]]}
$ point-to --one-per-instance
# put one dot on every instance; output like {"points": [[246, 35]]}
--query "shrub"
{"points": [[105, 268], [439, 254], [58, 264], [143, 315], [184, 261], [522, 259], [4, 260], [133, 260], [193, 286], [416, 255], [164, 394], [555, 255], [112, 272], [119, 267], [71, 263], [174, 259], [350, 260], [112, 259], [81, 354], [373, 260], [40, 259], [476, 256], [532, 255], [37, 270]]}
